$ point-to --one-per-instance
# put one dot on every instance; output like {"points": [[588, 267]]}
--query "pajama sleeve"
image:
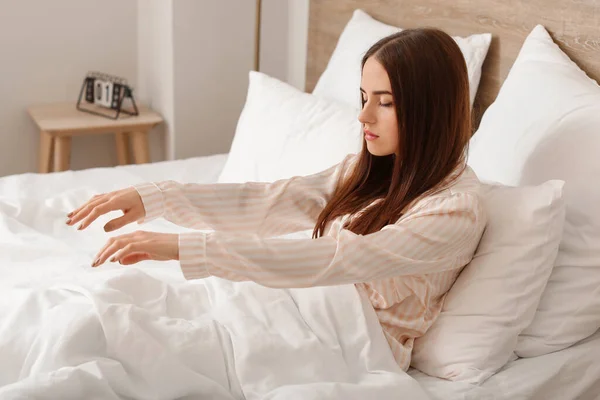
{"points": [[264, 209], [441, 235]]}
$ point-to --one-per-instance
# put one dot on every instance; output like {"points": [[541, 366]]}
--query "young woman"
{"points": [[399, 220]]}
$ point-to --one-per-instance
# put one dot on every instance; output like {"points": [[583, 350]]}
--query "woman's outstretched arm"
{"points": [[440, 235], [264, 209]]}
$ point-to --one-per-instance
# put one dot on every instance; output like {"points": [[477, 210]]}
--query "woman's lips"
{"points": [[370, 135]]}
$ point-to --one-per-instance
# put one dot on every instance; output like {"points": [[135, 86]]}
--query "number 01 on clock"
{"points": [[103, 93]]}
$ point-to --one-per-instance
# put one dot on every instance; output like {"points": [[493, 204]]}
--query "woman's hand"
{"points": [[127, 200], [139, 246], [132, 247]]}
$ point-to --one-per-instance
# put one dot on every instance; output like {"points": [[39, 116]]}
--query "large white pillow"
{"points": [[545, 124], [341, 79], [284, 132], [496, 295]]}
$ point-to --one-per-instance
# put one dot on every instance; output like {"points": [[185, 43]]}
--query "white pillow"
{"points": [[284, 132], [496, 295], [545, 124], [341, 79]]}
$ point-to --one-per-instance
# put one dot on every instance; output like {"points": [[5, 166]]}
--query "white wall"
{"points": [[275, 38], [202, 91], [213, 52], [297, 42], [155, 71], [46, 48], [213, 48], [284, 34]]}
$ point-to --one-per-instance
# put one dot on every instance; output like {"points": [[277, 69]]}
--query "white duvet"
{"points": [[68, 331]]}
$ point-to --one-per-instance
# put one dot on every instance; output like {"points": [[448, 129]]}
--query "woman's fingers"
{"points": [[126, 200], [84, 210], [105, 251], [112, 245], [95, 212], [138, 246], [129, 248], [94, 199]]}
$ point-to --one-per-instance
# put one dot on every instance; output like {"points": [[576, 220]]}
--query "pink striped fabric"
{"points": [[406, 268]]}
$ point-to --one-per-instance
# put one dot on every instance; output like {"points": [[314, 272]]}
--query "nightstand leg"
{"points": [[45, 152], [62, 153], [141, 150], [122, 142]]}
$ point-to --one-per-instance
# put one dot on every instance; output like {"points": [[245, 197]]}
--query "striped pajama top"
{"points": [[405, 269]]}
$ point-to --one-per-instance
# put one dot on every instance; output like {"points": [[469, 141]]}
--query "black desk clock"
{"points": [[105, 94]]}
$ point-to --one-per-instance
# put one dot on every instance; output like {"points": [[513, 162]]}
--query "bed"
{"points": [[70, 332], [573, 373], [143, 332]]}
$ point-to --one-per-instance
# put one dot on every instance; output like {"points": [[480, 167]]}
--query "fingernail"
{"points": [[112, 259], [68, 221], [94, 263], [70, 214], [80, 227]]}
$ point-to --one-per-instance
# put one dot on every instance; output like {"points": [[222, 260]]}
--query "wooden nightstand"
{"points": [[59, 122]]}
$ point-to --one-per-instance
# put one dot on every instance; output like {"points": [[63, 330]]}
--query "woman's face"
{"points": [[378, 115]]}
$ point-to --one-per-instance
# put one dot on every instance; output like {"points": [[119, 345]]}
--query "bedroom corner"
{"points": [[186, 60]]}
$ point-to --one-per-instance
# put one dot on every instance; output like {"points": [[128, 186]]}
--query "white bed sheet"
{"points": [[196, 169], [45, 199], [568, 374], [68, 331]]}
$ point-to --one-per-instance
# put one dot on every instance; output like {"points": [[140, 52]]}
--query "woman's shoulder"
{"points": [[463, 192], [467, 182]]}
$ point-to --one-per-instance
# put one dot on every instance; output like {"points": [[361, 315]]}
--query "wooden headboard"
{"points": [[573, 24]]}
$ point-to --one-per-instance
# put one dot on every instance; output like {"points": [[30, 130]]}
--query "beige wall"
{"points": [[211, 52], [213, 47], [155, 70], [284, 40], [275, 38], [187, 59], [297, 42], [46, 48]]}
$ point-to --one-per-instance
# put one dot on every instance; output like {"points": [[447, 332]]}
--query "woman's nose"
{"points": [[366, 116]]}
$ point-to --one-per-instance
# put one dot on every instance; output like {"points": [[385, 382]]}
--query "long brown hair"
{"points": [[430, 88]]}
